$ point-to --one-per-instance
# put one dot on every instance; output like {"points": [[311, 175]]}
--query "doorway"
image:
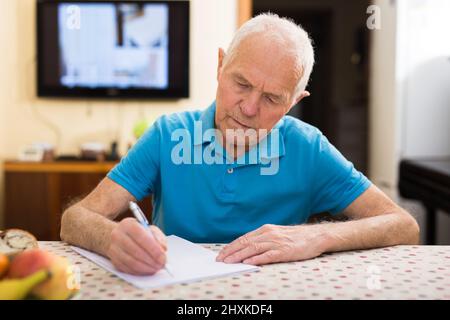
{"points": [[338, 104]]}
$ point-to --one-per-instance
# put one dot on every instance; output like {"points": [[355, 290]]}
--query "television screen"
{"points": [[134, 49]]}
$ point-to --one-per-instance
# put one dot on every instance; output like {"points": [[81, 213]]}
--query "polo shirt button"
{"points": [[230, 170]]}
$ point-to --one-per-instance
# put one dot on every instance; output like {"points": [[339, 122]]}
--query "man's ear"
{"points": [[302, 95], [220, 61]]}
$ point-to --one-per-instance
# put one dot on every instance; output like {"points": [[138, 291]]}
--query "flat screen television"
{"points": [[114, 49]]}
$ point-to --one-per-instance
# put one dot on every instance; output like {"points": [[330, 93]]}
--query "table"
{"points": [[400, 272], [427, 180]]}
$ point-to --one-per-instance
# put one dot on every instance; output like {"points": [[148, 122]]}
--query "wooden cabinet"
{"points": [[36, 194]]}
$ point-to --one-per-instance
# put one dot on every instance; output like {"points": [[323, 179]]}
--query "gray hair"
{"points": [[294, 38]]}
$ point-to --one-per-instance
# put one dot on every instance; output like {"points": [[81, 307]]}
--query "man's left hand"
{"points": [[273, 243]]}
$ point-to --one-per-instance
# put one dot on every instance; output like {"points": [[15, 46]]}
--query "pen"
{"points": [[140, 217]]}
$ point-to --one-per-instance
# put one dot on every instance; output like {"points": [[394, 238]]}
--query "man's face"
{"points": [[255, 89]]}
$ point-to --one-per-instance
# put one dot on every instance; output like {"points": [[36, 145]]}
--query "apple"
{"points": [[57, 286], [4, 264]]}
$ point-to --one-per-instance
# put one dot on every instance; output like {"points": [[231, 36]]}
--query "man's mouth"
{"points": [[244, 126]]}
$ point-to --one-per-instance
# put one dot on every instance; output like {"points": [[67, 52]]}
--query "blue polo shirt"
{"points": [[220, 201]]}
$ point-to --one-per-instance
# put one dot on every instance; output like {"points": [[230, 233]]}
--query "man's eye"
{"points": [[243, 85], [269, 99]]}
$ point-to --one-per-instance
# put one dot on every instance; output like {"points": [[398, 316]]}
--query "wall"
{"points": [[26, 119], [7, 33]]}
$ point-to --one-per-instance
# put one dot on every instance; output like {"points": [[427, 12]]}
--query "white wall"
{"points": [[423, 75], [26, 119], [6, 33]]}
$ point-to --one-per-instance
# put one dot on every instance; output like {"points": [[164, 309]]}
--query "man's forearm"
{"points": [[87, 229], [378, 231]]}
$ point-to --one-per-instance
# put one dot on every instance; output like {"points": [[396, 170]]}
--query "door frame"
{"points": [[244, 11]]}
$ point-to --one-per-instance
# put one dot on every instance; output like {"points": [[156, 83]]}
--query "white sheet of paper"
{"points": [[188, 262]]}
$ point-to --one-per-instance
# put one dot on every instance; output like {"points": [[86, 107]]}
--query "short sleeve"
{"points": [[138, 171], [335, 181]]}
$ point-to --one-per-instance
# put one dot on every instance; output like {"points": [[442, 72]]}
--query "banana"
{"points": [[15, 289]]}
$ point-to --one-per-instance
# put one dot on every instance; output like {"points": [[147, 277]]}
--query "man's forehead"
{"points": [[277, 69]]}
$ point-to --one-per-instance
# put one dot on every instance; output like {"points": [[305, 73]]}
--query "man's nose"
{"points": [[249, 106]]}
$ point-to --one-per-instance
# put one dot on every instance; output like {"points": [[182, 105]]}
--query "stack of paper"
{"points": [[188, 262]]}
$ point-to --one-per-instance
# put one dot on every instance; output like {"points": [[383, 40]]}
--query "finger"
{"points": [[267, 257], [160, 236], [146, 241], [119, 265], [253, 249], [238, 244], [132, 265], [136, 266], [136, 251]]}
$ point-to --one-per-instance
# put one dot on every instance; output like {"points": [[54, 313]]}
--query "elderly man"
{"points": [[221, 195]]}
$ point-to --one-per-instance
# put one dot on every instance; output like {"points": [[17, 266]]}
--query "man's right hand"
{"points": [[134, 250]]}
